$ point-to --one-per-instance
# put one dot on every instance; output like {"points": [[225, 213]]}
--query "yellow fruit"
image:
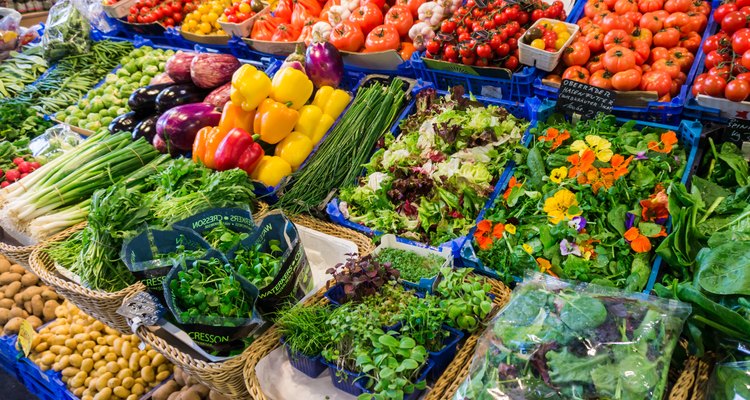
{"points": [[538, 44], [205, 28], [560, 28], [204, 8], [565, 35], [559, 43], [244, 8]]}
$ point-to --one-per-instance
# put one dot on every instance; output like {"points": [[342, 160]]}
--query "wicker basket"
{"points": [[226, 377], [269, 341], [20, 254], [692, 382]]}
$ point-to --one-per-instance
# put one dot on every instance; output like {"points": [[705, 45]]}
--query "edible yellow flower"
{"points": [[510, 228], [558, 174], [599, 145], [527, 248], [558, 207]]}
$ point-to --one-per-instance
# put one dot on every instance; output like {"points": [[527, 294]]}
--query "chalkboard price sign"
{"points": [[584, 100], [738, 131]]}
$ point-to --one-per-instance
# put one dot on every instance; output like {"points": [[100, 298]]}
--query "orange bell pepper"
{"points": [[233, 116], [199, 144], [277, 121]]}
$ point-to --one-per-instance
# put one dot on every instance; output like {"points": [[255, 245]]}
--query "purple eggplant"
{"points": [[124, 123], [323, 64], [219, 96], [143, 100], [146, 129], [178, 66], [177, 95], [178, 126], [210, 71]]}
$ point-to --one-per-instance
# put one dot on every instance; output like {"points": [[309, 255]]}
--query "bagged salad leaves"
{"points": [[561, 340]]}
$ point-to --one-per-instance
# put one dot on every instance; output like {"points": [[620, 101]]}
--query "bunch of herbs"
{"points": [[304, 328], [411, 265], [362, 276]]}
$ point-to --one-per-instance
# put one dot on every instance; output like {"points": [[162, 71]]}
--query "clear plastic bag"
{"points": [[67, 31], [561, 340], [55, 141], [730, 381], [10, 30]]}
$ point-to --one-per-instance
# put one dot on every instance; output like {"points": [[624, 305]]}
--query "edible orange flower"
{"points": [[619, 166], [545, 266], [555, 136], [668, 140], [481, 235], [484, 226], [511, 184], [638, 242], [498, 230], [655, 207], [581, 164]]}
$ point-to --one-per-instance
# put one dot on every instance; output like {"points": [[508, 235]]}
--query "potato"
{"points": [[41, 347], [147, 373], [214, 395], [101, 381], [13, 325], [27, 307], [201, 389], [179, 376], [4, 315], [132, 397], [113, 383], [162, 376], [164, 367], [29, 279], [165, 390], [47, 358], [79, 391], [17, 312], [48, 294], [7, 303], [126, 350], [137, 389], [30, 292], [15, 268], [70, 371], [12, 289], [4, 265], [104, 394], [173, 396], [8, 277], [18, 298], [34, 321], [128, 382], [191, 381], [189, 395], [37, 306]]}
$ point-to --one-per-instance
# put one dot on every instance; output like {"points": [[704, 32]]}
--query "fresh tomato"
{"points": [[595, 41], [721, 11], [696, 22], [641, 50], [642, 35], [618, 59], [400, 18], [367, 16], [683, 57], [347, 36], [668, 65], [714, 85], [379, 3], [626, 80], [285, 33], [264, 27], [678, 20], [433, 47], [407, 49], [646, 6], [673, 6], [733, 21], [741, 41], [450, 52], [715, 58], [745, 60], [616, 37], [553, 78], [601, 79], [745, 76], [593, 8], [656, 81], [625, 6], [511, 63], [614, 21], [633, 17], [737, 90], [577, 53], [594, 64], [723, 72], [714, 42], [699, 84], [652, 22], [484, 51], [383, 37], [690, 41], [667, 37], [577, 73]]}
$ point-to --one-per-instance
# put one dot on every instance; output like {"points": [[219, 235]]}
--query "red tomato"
{"points": [[383, 37], [614, 21], [595, 41], [618, 59], [407, 49], [722, 72], [715, 58], [641, 50], [642, 35], [601, 79], [657, 53], [484, 51], [650, 5], [624, 6], [673, 6], [511, 63], [741, 41], [721, 11], [677, 20], [745, 60], [400, 17], [656, 81], [285, 33], [691, 41], [633, 16], [714, 42], [714, 85], [737, 90], [652, 22], [733, 21], [668, 37], [700, 6], [699, 84], [593, 8], [626, 80], [668, 65], [264, 27], [683, 57], [577, 53], [696, 22], [616, 37], [347, 36], [745, 76], [367, 16], [379, 3], [576, 73], [594, 64]]}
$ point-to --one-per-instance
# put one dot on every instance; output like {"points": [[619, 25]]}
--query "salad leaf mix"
{"points": [[586, 202], [557, 340], [430, 182]]}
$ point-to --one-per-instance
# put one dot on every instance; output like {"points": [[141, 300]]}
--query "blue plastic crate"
{"points": [[516, 87], [689, 134], [527, 110], [345, 380], [39, 383], [442, 358], [310, 366], [9, 355], [656, 111]]}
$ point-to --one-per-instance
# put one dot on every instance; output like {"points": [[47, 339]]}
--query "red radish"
{"points": [[12, 175], [1, 172], [18, 160], [25, 174], [35, 165], [24, 167], [4, 184]]}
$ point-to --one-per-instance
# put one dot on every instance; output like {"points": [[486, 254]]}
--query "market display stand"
{"points": [[33, 18]]}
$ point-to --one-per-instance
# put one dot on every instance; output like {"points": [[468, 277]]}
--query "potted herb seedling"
{"points": [[396, 368], [357, 278], [418, 266], [304, 335], [466, 298]]}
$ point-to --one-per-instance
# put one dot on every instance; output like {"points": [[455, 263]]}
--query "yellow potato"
{"points": [[104, 394], [147, 373]]}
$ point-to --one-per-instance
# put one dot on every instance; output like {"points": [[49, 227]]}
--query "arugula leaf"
{"points": [[565, 367]]}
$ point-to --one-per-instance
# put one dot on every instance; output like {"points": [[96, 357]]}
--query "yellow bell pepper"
{"points": [[249, 87], [331, 101], [276, 121], [309, 118], [294, 149], [271, 170], [322, 128], [292, 87], [233, 116]]}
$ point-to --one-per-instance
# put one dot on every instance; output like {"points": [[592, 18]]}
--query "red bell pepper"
{"points": [[238, 150]]}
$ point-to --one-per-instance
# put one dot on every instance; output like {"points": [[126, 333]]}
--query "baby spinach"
{"points": [[583, 313], [724, 269], [411, 265]]}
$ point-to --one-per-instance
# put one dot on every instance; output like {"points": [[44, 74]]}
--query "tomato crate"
{"points": [[527, 110], [496, 83], [9, 355], [669, 112], [707, 108], [689, 136]]}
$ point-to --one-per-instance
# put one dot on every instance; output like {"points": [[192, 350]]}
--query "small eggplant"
{"points": [[177, 95], [146, 129], [124, 123], [143, 100]]}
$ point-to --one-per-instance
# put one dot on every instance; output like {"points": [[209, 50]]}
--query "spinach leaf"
{"points": [[583, 313], [616, 217], [638, 375], [731, 155], [708, 190], [537, 171], [642, 176], [565, 367], [731, 381], [725, 269]]}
